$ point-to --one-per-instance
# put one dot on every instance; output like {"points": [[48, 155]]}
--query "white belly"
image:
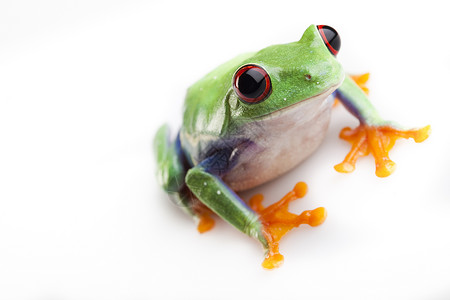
{"points": [[282, 140]]}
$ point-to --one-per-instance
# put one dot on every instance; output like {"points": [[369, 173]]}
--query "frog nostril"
{"points": [[330, 37], [308, 77]]}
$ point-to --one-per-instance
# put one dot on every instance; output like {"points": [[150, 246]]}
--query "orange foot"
{"points": [[377, 140], [361, 81], [205, 223], [277, 221], [203, 216]]}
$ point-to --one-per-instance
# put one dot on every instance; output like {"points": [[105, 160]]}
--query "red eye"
{"points": [[331, 38], [252, 84]]}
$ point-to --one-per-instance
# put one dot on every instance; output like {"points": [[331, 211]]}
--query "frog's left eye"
{"points": [[252, 84], [331, 38]]}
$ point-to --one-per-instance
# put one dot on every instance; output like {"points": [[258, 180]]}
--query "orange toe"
{"points": [[361, 81], [206, 223], [377, 140]]}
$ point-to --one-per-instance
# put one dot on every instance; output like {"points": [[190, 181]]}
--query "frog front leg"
{"points": [[373, 135], [268, 225]]}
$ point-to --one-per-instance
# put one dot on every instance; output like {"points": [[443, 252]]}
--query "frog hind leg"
{"points": [[373, 135], [171, 170], [268, 225]]}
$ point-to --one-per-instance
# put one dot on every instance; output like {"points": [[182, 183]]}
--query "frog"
{"points": [[258, 116]]}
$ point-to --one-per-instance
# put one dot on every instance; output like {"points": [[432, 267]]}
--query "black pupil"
{"points": [[251, 83]]}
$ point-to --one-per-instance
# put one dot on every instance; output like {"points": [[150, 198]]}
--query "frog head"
{"points": [[280, 76], [256, 85]]}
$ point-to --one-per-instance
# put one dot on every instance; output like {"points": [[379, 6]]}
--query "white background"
{"points": [[85, 84]]}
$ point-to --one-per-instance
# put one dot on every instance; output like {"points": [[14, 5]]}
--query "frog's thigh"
{"points": [[217, 196], [170, 169], [171, 173]]}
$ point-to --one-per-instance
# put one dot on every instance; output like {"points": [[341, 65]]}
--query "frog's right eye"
{"points": [[252, 84]]}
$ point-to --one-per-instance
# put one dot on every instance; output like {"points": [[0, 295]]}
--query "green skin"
{"points": [[218, 129]]}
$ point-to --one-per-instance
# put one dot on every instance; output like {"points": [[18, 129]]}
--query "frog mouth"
{"points": [[319, 97]]}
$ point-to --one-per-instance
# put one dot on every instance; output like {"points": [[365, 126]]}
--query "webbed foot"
{"points": [[277, 221], [377, 140]]}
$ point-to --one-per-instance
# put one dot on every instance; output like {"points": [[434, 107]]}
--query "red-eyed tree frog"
{"points": [[258, 116]]}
